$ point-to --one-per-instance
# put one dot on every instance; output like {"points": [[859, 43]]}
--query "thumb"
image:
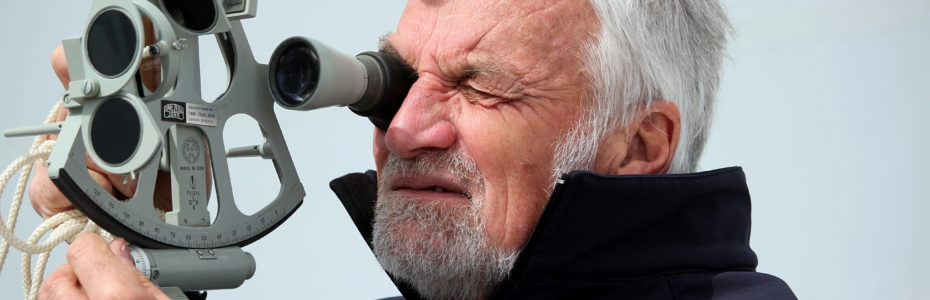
{"points": [[102, 274], [60, 65], [120, 248]]}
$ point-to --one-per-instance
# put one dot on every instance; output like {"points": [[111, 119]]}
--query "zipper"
{"points": [[557, 190]]}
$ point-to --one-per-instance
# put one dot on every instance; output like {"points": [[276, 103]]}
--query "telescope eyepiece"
{"points": [[389, 80], [296, 72], [305, 74]]}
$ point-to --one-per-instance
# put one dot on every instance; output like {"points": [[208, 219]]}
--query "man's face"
{"points": [[499, 84], [500, 81]]}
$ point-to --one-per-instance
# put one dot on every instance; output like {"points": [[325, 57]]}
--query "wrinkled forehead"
{"points": [[512, 30]]}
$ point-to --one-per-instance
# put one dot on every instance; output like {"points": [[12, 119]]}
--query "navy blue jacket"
{"points": [[681, 236]]}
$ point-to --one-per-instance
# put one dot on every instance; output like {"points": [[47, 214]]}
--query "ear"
{"points": [[650, 141]]}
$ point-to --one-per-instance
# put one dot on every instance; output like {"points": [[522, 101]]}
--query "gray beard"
{"points": [[443, 252], [576, 149]]}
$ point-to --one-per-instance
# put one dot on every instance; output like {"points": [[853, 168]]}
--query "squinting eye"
{"points": [[482, 98], [472, 94]]}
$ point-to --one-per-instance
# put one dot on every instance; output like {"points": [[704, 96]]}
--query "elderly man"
{"points": [[544, 151]]}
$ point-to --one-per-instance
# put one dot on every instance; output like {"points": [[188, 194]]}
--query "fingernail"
{"points": [[124, 253]]}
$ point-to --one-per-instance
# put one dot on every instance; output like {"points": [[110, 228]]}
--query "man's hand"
{"points": [[96, 270], [47, 200]]}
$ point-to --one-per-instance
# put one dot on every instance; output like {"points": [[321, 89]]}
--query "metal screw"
{"points": [[90, 88], [211, 252], [150, 51], [199, 252], [180, 44]]}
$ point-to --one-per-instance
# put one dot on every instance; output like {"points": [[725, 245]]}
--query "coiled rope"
{"points": [[65, 226]]}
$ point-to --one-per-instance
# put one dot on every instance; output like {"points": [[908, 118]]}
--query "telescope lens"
{"points": [[195, 15], [111, 43], [296, 72], [115, 131]]}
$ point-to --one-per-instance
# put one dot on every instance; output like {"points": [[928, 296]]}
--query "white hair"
{"points": [[650, 50], [645, 51]]}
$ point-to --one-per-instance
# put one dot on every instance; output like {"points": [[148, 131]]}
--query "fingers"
{"points": [[151, 288], [60, 65], [101, 273], [127, 188], [163, 191], [47, 200], [45, 197], [62, 115], [62, 284], [120, 248], [97, 270]]}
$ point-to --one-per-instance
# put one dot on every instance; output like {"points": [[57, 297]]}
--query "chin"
{"points": [[440, 248]]}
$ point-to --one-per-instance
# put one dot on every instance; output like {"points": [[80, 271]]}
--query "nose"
{"points": [[421, 124]]}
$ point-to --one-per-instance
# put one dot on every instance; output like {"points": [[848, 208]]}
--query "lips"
{"points": [[438, 189], [429, 186]]}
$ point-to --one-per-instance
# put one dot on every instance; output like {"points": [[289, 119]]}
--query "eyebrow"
{"points": [[488, 67], [485, 68], [384, 45]]}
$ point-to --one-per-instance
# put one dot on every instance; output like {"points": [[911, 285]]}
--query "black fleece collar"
{"points": [[614, 227]]}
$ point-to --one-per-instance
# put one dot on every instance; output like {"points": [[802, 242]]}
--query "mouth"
{"points": [[429, 187]]}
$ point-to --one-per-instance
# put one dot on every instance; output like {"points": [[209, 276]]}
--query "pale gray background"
{"points": [[824, 103]]}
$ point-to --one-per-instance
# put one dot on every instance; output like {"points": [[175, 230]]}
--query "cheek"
{"points": [[512, 147], [379, 150]]}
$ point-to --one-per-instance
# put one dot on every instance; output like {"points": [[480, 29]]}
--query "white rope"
{"points": [[64, 226]]}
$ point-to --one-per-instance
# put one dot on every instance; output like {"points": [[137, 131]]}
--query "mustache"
{"points": [[443, 251], [455, 164]]}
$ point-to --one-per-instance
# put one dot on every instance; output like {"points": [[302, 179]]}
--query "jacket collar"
{"points": [[621, 227], [637, 226]]}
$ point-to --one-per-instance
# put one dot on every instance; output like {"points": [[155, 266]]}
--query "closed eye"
{"points": [[477, 95], [485, 99], [473, 94]]}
